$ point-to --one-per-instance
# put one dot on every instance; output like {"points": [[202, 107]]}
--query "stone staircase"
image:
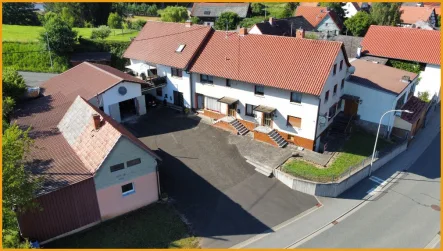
{"points": [[266, 171], [277, 138], [241, 129]]}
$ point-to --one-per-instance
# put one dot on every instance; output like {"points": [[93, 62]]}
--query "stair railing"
{"points": [[349, 123]]}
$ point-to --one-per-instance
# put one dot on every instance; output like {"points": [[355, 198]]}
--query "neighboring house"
{"points": [[281, 27], [169, 48], [376, 89], [91, 57], [283, 89], [351, 44], [410, 15], [92, 167], [321, 19], [209, 12], [309, 4], [351, 8], [410, 45]]}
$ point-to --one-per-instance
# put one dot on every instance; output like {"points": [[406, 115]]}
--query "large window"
{"points": [[296, 97], [206, 79], [294, 121], [176, 72], [117, 167], [212, 104], [133, 162], [249, 111], [259, 90], [128, 189]]}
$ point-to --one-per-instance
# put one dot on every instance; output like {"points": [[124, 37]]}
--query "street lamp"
{"points": [[378, 131]]}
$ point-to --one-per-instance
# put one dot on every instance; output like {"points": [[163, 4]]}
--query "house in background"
{"points": [[421, 46], [351, 8], [93, 168], [411, 16], [209, 12], [322, 19], [282, 27], [309, 4]]}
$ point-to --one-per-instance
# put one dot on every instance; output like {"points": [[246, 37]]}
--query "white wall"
{"points": [[273, 97], [349, 9], [327, 24], [254, 30], [175, 84], [430, 81]]}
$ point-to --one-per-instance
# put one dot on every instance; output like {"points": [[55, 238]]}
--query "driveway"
{"points": [[221, 195]]}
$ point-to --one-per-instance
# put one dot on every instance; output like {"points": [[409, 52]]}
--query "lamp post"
{"points": [[378, 131]]}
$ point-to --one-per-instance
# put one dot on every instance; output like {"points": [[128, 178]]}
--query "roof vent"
{"points": [[406, 79], [180, 48]]}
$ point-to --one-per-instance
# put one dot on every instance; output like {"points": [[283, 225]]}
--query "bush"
{"points": [[60, 35], [228, 20], [424, 96], [13, 84], [101, 32], [88, 24], [178, 14], [138, 24], [116, 48], [249, 22]]}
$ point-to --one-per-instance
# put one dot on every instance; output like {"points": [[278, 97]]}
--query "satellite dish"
{"points": [[322, 120], [122, 90]]}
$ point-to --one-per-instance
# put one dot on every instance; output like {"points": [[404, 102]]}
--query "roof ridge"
{"points": [[98, 68]]}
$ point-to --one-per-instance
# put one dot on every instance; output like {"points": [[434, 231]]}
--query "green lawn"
{"points": [[154, 226], [31, 33], [355, 150], [275, 9]]}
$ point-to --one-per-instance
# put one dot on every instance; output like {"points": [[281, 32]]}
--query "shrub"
{"points": [[249, 22], [101, 32], [116, 48], [178, 14], [424, 96], [138, 24], [60, 35], [229, 19], [13, 84]]}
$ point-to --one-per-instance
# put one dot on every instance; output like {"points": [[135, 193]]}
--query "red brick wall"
{"points": [[299, 141], [249, 125]]}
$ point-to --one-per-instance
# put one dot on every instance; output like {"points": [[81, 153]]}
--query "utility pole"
{"points": [[49, 49]]}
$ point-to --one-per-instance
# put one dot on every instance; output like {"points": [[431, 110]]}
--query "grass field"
{"points": [[31, 33], [275, 9], [144, 18], [355, 150], [154, 226]]}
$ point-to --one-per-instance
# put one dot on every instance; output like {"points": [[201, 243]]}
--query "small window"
{"points": [[128, 189], [342, 86], [259, 90], [180, 48], [335, 69], [228, 83], [133, 162], [101, 108], [117, 167], [207, 12], [294, 121], [335, 90], [206, 79], [159, 91], [249, 111], [341, 64], [296, 97], [326, 96], [176, 72]]}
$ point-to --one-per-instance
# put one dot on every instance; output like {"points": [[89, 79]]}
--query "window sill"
{"points": [[128, 193], [295, 103], [260, 96], [176, 77]]}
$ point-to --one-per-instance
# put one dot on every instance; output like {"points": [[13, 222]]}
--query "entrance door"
{"points": [[267, 119], [178, 98], [200, 101], [351, 107], [232, 110]]}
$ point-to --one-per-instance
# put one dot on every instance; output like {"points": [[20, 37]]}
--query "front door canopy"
{"points": [[228, 100], [264, 109]]}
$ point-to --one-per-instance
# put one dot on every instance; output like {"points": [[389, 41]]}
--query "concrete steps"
{"points": [[266, 171], [278, 139], [241, 129]]}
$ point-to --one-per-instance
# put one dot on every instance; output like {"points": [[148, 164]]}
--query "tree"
{"points": [[138, 24], [249, 22], [288, 10], [359, 24], [13, 84], [19, 14], [152, 10], [101, 32], [176, 14], [115, 21], [60, 35], [95, 13], [438, 20], [195, 20], [67, 16], [257, 9], [228, 20], [386, 13], [336, 7]]}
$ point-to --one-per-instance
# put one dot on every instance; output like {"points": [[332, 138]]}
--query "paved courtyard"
{"points": [[220, 194]]}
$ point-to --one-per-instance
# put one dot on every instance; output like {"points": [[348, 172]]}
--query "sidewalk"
{"points": [[288, 233]]}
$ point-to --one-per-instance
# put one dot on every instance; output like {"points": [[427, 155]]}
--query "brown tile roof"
{"points": [[158, 41], [310, 4], [379, 76], [295, 64], [314, 15], [417, 106], [403, 43], [52, 155], [413, 14]]}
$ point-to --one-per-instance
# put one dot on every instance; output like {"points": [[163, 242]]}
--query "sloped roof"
{"points": [[310, 4], [403, 43], [351, 44], [415, 105], [282, 27], [216, 9], [315, 15], [157, 43], [412, 14], [380, 77], [289, 63]]}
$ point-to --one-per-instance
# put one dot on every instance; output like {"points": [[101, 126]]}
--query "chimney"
{"points": [[243, 31], [188, 23], [96, 120], [406, 79], [300, 33], [271, 21]]}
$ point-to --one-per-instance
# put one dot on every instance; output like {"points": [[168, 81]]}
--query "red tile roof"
{"points": [[315, 15], [413, 14], [310, 4], [294, 64], [415, 105], [403, 43], [158, 41]]}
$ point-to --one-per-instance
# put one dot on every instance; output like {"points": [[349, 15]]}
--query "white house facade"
{"points": [[430, 82], [350, 9]]}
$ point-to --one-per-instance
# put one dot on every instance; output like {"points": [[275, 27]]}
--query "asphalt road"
{"points": [[35, 78], [401, 217]]}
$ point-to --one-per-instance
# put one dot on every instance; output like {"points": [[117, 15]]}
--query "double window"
{"points": [[127, 189], [175, 72], [206, 79], [296, 97], [249, 111], [259, 90], [294, 122]]}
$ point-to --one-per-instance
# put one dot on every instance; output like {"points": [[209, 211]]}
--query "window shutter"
{"points": [[294, 121]]}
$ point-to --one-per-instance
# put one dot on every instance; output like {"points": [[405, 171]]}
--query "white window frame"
{"points": [[130, 191]]}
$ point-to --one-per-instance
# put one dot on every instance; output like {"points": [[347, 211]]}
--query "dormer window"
{"points": [[180, 48], [207, 12]]}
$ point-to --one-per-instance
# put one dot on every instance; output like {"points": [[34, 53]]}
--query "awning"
{"points": [[264, 109], [140, 67], [350, 97], [228, 100]]}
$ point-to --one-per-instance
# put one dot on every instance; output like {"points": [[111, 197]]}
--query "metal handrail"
{"points": [[349, 122]]}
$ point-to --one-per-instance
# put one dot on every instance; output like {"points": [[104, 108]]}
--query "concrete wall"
{"points": [[175, 84], [430, 81], [334, 189]]}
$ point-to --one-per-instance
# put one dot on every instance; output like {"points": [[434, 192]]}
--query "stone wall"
{"points": [[372, 127]]}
